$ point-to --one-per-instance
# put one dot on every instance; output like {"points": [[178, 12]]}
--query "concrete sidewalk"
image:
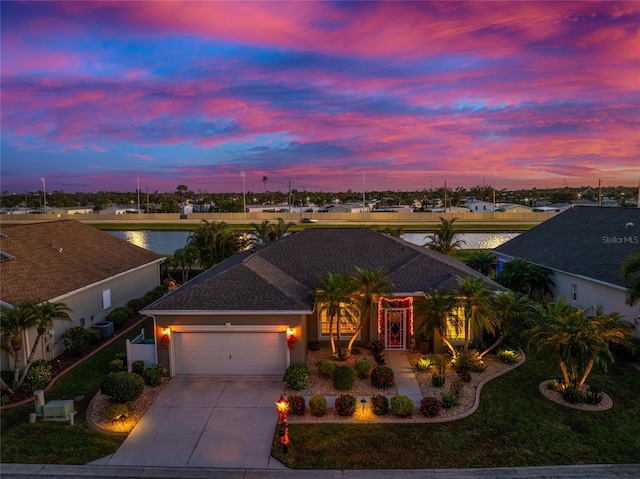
{"points": [[596, 471]]}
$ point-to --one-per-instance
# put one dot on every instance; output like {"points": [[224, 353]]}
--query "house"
{"points": [[477, 206], [66, 261], [584, 248], [254, 313], [513, 208]]}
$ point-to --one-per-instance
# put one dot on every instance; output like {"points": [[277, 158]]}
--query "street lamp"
{"points": [[244, 195], [283, 406], [44, 194]]}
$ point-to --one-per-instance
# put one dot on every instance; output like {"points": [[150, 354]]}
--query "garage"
{"points": [[230, 353]]}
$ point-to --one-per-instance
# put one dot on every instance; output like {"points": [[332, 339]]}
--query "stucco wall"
{"points": [[87, 304], [591, 294]]}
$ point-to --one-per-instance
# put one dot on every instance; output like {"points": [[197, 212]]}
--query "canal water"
{"points": [[166, 242]]}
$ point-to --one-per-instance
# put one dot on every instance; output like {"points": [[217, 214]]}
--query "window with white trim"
{"points": [[347, 326], [574, 292]]}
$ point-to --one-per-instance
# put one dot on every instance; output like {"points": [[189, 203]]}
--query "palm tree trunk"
{"points": [[492, 347], [29, 359], [447, 343], [331, 340], [565, 372], [6, 386], [587, 371]]}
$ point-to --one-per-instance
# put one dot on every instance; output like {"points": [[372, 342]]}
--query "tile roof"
{"points": [[590, 242], [282, 275], [55, 258]]}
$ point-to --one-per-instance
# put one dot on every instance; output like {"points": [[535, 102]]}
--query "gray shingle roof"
{"points": [[590, 242], [282, 275]]}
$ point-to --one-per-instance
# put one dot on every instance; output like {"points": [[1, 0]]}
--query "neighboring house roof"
{"points": [[281, 276], [55, 258], [590, 242]]}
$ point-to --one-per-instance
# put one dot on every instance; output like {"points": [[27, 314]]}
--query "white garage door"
{"points": [[227, 353]]}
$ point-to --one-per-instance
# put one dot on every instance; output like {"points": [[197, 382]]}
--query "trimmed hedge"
{"points": [[317, 405], [343, 378], [154, 375], [122, 387], [297, 376]]}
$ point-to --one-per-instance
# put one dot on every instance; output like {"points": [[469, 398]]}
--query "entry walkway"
{"points": [[404, 376]]}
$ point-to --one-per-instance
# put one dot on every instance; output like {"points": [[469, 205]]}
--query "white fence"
{"points": [[141, 349]]}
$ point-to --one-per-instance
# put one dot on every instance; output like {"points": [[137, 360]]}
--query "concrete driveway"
{"points": [[206, 422]]}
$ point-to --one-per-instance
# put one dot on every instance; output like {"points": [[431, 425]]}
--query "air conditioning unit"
{"points": [[105, 328]]}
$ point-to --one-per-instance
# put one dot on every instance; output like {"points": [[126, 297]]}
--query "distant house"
{"points": [[66, 261], [584, 248], [236, 318], [70, 210], [553, 208], [513, 208], [477, 206]]}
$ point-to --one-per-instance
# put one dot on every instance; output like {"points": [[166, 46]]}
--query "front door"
{"points": [[395, 323]]}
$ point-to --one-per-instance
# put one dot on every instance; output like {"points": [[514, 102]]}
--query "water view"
{"points": [[166, 242]]}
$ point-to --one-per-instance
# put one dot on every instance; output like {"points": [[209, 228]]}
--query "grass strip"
{"points": [[57, 442]]}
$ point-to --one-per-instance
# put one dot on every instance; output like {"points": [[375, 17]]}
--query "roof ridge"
{"points": [[275, 276]]}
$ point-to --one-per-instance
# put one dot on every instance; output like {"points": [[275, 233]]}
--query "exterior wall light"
{"points": [[291, 338], [165, 338]]}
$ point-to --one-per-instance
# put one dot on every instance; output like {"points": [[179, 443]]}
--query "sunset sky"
{"points": [[403, 95]]}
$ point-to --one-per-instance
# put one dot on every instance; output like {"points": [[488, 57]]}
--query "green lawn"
{"points": [[514, 426], [58, 442]]}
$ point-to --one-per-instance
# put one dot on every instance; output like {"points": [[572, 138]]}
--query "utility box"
{"points": [[58, 410], [105, 328]]}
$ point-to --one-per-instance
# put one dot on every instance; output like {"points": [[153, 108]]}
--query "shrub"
{"points": [[116, 365], [382, 377], [343, 378], [430, 406], [117, 412], [456, 388], [363, 368], [120, 316], [78, 340], [38, 376], [437, 380], [122, 356], [136, 305], [317, 405], [297, 376], [297, 405], [424, 364], [154, 374], [122, 386], [508, 356], [572, 395], [593, 396], [448, 400], [478, 367], [326, 367], [401, 405], [137, 367], [380, 405], [377, 349], [345, 405]]}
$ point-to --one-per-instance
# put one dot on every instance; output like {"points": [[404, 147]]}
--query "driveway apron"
{"points": [[202, 421]]}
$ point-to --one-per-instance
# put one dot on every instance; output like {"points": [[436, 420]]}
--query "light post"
{"points": [[244, 195], [283, 407], [44, 199]]}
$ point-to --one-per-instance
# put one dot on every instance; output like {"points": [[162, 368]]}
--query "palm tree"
{"points": [[334, 297], [46, 313], [483, 261], [577, 341], [185, 258], [278, 230], [261, 232], [443, 239], [264, 180], [631, 275], [474, 299], [369, 285], [215, 242], [508, 311], [14, 321], [438, 313], [526, 278]]}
